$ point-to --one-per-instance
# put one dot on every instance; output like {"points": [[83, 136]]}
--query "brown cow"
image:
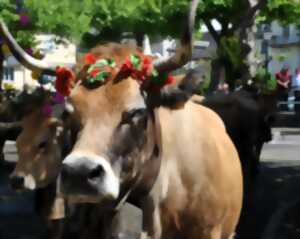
{"points": [[41, 146], [198, 189], [131, 147]]}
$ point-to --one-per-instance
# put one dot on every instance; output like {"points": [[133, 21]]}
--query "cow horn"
{"points": [[24, 58], [184, 52]]}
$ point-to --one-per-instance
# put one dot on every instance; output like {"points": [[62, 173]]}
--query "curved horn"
{"points": [[24, 58], [184, 52]]}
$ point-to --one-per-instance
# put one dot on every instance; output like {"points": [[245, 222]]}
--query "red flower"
{"points": [[127, 66], [89, 59], [170, 80], [147, 65], [95, 72], [64, 80]]}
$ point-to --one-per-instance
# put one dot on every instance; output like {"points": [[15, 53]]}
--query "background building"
{"points": [[55, 52]]}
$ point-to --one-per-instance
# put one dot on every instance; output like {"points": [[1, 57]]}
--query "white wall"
{"points": [[55, 54]]}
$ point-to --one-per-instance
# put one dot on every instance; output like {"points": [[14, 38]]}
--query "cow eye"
{"points": [[43, 144], [128, 116]]}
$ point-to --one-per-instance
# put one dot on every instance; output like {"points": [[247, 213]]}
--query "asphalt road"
{"points": [[277, 185]]}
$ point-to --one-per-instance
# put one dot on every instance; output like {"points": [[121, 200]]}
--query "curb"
{"points": [[276, 218]]}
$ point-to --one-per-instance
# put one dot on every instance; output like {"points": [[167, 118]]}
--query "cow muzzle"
{"points": [[20, 182], [88, 179]]}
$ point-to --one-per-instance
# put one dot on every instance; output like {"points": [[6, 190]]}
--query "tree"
{"points": [[92, 21], [30, 17], [163, 18], [237, 18], [111, 18]]}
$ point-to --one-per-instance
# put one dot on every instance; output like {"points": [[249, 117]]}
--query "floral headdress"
{"points": [[139, 68]]}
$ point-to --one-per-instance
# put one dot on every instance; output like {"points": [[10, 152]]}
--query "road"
{"points": [[276, 186], [18, 220]]}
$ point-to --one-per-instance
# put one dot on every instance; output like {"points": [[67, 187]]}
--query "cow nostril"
{"points": [[96, 172], [17, 182]]}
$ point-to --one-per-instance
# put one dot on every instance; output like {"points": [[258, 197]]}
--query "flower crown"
{"points": [[137, 67]]}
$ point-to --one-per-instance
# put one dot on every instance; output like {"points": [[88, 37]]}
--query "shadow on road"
{"points": [[276, 185], [18, 220]]}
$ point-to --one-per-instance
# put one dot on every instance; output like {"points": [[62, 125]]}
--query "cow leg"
{"points": [[2, 142], [151, 227], [256, 165], [55, 229]]}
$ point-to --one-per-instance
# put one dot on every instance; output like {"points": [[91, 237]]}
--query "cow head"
{"points": [[40, 146], [42, 139], [117, 138]]}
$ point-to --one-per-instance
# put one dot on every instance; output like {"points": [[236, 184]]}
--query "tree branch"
{"points": [[248, 18], [212, 31]]}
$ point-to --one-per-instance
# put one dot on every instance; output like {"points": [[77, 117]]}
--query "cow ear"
{"points": [[270, 119], [174, 99], [176, 95]]}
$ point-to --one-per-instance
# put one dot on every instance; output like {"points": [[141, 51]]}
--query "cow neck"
{"points": [[143, 182]]}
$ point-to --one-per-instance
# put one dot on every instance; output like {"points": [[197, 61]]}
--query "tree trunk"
{"points": [[247, 43], [139, 37], [1, 66], [215, 75]]}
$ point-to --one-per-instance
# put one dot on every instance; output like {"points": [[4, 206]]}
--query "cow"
{"points": [[155, 149], [184, 177], [10, 126], [247, 116], [41, 145], [248, 126], [42, 161]]}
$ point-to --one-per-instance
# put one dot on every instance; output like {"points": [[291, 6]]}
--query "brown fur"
{"points": [[198, 192]]}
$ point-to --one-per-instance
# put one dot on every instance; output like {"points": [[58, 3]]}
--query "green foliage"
{"points": [[157, 18], [9, 15], [64, 18], [8, 11], [285, 11], [265, 81], [230, 49], [204, 86]]}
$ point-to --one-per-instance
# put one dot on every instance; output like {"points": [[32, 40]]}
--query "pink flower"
{"points": [[47, 110], [24, 19], [29, 51], [58, 98]]}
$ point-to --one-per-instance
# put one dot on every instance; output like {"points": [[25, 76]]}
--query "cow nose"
{"points": [[68, 172], [17, 182], [91, 172], [86, 176], [96, 173]]}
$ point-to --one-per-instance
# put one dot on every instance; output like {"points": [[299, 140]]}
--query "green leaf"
{"points": [[136, 61]]}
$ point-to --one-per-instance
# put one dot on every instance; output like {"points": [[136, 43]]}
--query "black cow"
{"points": [[247, 123]]}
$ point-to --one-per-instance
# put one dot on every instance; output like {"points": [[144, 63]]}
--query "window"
{"points": [[286, 31], [8, 73], [267, 27]]}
